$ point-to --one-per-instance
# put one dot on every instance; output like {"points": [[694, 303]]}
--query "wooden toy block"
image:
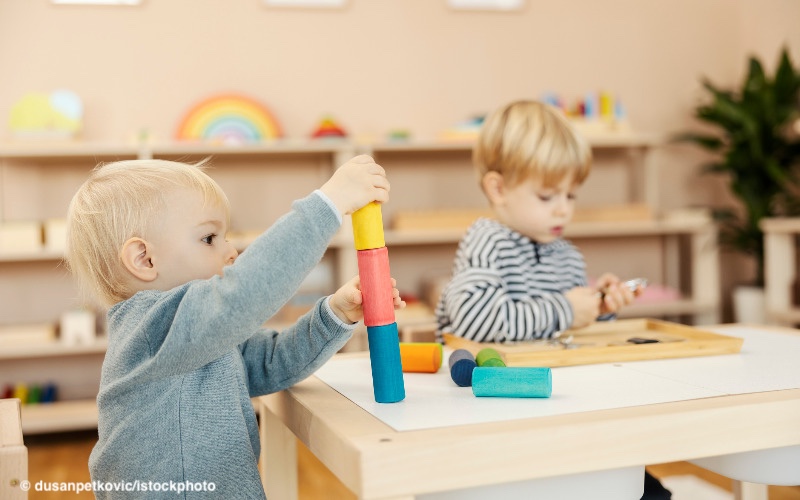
{"points": [[376, 286], [49, 393], [368, 227], [35, 395], [462, 362], [512, 382], [489, 357], [78, 327], [20, 237], [421, 357], [21, 392], [387, 371], [55, 235]]}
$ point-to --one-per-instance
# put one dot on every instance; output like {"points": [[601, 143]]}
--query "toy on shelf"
{"points": [[597, 114], [57, 115], [229, 119], [398, 135], [31, 394], [328, 129], [378, 304], [463, 131], [78, 327]]}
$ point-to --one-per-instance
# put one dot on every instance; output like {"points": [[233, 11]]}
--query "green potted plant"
{"points": [[755, 145]]}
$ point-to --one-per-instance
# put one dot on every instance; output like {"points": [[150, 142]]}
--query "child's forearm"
{"points": [[276, 361]]}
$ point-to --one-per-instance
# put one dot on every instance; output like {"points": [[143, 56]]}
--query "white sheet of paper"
{"points": [[767, 362]]}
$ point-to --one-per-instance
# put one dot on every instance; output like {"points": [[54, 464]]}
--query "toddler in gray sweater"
{"points": [[187, 349]]}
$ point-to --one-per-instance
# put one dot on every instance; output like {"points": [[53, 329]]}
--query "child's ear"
{"points": [[494, 187], [135, 257]]}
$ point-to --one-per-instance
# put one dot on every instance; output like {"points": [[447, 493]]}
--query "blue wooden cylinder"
{"points": [[462, 362], [387, 369], [512, 382]]}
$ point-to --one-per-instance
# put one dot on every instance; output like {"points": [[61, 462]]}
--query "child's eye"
{"points": [[208, 240], [571, 196], [545, 197]]}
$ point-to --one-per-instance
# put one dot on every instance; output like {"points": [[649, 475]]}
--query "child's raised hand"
{"points": [[614, 294], [585, 305], [356, 183], [346, 302]]}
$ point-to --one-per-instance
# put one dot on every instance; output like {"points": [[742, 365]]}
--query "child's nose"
{"points": [[232, 254], [562, 205]]}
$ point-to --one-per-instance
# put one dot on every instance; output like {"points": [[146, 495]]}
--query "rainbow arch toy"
{"points": [[229, 119]]}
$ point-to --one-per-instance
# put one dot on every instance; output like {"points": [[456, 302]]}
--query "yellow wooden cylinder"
{"points": [[368, 227]]}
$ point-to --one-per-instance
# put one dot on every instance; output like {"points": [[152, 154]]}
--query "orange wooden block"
{"points": [[376, 286], [424, 357]]}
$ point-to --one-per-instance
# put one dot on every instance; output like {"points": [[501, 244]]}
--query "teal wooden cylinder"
{"points": [[387, 368], [512, 382]]}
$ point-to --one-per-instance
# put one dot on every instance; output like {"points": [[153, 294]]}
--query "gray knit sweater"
{"points": [[182, 366]]}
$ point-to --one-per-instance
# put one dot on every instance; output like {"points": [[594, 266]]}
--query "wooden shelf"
{"points": [[610, 141], [42, 255], [52, 349], [60, 416], [280, 146], [37, 149], [637, 228]]}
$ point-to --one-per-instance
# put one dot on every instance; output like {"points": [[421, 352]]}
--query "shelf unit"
{"points": [[37, 182], [780, 269]]}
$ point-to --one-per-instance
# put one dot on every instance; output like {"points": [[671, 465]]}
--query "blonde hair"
{"points": [[526, 139], [118, 202]]}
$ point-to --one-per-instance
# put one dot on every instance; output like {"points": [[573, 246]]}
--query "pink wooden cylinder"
{"points": [[376, 286]]}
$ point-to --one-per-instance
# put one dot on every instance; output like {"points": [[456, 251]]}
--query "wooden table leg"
{"points": [[278, 460], [750, 491]]}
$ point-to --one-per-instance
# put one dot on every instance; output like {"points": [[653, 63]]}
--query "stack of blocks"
{"points": [[378, 304]]}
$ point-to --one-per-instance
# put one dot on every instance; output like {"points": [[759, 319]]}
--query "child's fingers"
{"points": [[363, 159], [356, 298]]}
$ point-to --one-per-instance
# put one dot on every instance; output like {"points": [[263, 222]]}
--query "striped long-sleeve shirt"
{"points": [[506, 287]]}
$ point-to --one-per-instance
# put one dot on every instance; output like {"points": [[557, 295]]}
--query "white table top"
{"points": [[769, 361]]}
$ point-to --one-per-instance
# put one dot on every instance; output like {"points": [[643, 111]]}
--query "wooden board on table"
{"points": [[607, 342]]}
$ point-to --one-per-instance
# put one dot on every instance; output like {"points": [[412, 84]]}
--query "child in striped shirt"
{"points": [[514, 277]]}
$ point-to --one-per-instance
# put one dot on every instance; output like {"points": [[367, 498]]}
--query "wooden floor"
{"points": [[64, 458]]}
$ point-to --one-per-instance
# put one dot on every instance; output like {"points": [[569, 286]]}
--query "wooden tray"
{"points": [[607, 342]]}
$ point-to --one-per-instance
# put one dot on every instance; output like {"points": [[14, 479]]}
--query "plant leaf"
{"points": [[708, 142]]}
